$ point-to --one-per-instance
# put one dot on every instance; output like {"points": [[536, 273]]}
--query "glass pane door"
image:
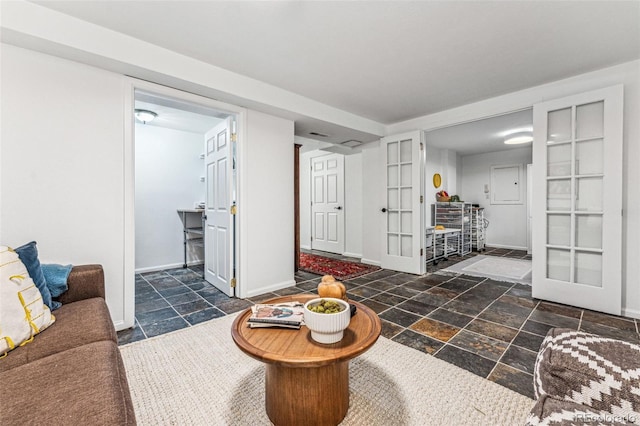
{"points": [[574, 194]]}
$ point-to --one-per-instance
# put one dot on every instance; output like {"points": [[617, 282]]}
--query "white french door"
{"points": [[218, 230], [327, 203], [577, 200], [403, 229]]}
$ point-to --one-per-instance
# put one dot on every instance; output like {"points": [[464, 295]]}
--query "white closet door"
{"points": [[577, 200]]}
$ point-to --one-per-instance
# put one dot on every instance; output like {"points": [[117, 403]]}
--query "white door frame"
{"points": [[130, 86]]}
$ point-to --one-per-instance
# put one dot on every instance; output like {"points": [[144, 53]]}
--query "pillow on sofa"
{"points": [[29, 256], [22, 312], [56, 277]]}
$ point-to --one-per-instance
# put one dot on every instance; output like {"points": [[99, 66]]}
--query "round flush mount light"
{"points": [[518, 138], [145, 116]]}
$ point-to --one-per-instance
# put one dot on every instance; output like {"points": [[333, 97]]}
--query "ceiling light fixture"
{"points": [[145, 116], [518, 138]]}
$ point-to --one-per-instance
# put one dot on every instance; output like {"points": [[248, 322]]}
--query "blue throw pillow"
{"points": [[56, 277], [28, 254]]}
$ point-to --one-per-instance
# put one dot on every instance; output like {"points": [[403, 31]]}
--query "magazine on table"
{"points": [[280, 314]]}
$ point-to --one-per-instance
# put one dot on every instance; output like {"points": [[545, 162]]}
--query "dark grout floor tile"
{"points": [[130, 335], [388, 299], [450, 317], [233, 305], [203, 315], [610, 332], [418, 341], [469, 361], [151, 305], [516, 380], [493, 330], [519, 358], [389, 329], [174, 291], [190, 307], [567, 311], [397, 316], [535, 327], [528, 341], [479, 344], [435, 329], [609, 320], [504, 318], [377, 307], [164, 326], [380, 285], [149, 317], [554, 319], [417, 307]]}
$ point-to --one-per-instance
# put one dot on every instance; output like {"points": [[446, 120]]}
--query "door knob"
{"points": [[384, 210], [338, 208]]}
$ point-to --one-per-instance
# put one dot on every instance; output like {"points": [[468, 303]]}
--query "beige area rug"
{"points": [[197, 376], [494, 267]]}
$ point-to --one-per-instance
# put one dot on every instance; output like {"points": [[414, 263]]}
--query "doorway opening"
{"points": [[476, 164], [184, 192]]}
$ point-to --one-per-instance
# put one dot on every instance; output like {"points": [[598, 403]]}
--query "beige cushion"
{"points": [[22, 312]]}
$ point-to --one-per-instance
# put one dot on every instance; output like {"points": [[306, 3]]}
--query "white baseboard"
{"points": [[502, 246], [631, 313], [370, 262], [349, 254], [270, 288], [168, 266], [304, 246]]}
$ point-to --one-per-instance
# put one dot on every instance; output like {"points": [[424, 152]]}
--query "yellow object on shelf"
{"points": [[439, 228]]}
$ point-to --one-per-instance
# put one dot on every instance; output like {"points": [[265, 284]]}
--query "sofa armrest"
{"points": [[85, 282]]}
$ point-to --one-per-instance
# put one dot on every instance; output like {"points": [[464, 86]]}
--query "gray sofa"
{"points": [[72, 372]]}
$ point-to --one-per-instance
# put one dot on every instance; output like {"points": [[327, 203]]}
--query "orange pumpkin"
{"points": [[329, 287]]}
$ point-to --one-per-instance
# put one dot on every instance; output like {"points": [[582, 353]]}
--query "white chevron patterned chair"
{"points": [[585, 379]]}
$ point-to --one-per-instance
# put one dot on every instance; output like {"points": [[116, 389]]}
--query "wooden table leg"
{"points": [[309, 396]]}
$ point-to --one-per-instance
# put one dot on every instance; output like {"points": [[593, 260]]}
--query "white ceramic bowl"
{"points": [[327, 328]]}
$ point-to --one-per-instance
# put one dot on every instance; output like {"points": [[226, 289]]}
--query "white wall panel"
{"points": [[168, 171], [62, 170]]}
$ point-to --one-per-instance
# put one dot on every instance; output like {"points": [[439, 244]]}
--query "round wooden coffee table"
{"points": [[306, 382]]}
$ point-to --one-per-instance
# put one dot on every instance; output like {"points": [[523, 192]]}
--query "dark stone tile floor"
{"points": [[173, 299], [490, 328]]}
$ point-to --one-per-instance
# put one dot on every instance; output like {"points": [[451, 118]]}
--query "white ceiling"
{"points": [[482, 136], [178, 115], [387, 61]]}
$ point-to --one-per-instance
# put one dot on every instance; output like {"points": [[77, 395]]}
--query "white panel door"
{"points": [[403, 228], [218, 231], [327, 203], [577, 200]]}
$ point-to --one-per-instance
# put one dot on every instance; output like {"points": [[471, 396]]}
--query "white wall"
{"points": [[508, 222], [372, 202], [353, 205], [444, 162], [62, 170], [168, 171], [352, 196], [267, 190]]}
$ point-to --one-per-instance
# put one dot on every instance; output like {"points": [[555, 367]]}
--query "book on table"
{"points": [[289, 315]]}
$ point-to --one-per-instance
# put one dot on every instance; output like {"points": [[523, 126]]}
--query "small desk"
{"points": [[441, 243], [193, 230], [306, 382]]}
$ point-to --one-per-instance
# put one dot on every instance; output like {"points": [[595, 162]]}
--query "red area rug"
{"points": [[340, 269]]}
